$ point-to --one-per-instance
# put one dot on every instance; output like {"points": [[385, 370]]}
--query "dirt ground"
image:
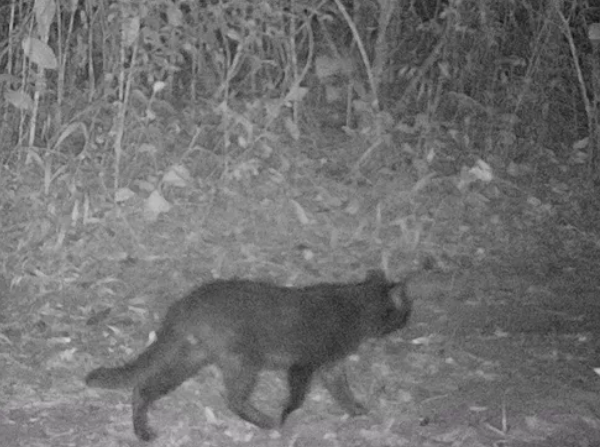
{"points": [[500, 351], [492, 357]]}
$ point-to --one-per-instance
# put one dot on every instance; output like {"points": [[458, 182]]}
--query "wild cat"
{"points": [[245, 326]]}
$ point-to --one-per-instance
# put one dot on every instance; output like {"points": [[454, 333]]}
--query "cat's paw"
{"points": [[145, 434]]}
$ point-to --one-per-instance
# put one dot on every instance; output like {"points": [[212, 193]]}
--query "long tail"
{"points": [[132, 372]]}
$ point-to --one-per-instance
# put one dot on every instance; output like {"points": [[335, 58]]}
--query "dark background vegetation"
{"points": [[470, 103]]}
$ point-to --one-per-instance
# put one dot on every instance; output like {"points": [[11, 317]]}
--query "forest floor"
{"points": [[500, 351]]}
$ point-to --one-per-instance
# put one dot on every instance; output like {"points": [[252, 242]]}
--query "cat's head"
{"points": [[392, 300]]}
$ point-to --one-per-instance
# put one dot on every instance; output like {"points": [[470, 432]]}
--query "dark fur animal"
{"points": [[245, 326]]}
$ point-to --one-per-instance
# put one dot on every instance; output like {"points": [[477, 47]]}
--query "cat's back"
{"points": [[242, 302], [232, 299]]}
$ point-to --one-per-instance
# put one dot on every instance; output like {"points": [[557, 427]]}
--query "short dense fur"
{"points": [[245, 326]]}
